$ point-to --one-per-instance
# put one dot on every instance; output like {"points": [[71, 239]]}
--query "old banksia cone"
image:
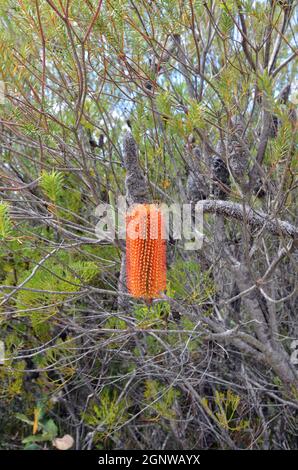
{"points": [[145, 251]]}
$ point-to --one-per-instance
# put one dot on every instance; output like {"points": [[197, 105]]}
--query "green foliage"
{"points": [[225, 410], [52, 185], [56, 277], [196, 115], [163, 103], [12, 376], [161, 399], [265, 84], [280, 147], [186, 280], [48, 430], [5, 221], [153, 316], [108, 412], [227, 83], [226, 22]]}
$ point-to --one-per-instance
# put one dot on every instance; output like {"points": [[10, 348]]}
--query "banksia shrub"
{"points": [[145, 251]]}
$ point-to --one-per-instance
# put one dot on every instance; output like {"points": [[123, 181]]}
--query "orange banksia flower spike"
{"points": [[145, 251]]}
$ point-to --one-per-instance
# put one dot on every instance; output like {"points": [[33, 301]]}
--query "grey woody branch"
{"points": [[254, 218]]}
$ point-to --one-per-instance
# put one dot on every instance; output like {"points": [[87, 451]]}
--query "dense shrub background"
{"points": [[209, 365]]}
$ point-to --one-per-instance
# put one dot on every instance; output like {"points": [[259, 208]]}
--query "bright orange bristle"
{"points": [[145, 251]]}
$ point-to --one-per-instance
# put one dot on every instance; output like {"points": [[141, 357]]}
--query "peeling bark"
{"points": [[254, 218]]}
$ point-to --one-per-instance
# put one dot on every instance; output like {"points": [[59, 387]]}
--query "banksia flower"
{"points": [[145, 251]]}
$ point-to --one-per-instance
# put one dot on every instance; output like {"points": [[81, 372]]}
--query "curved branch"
{"points": [[254, 218]]}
